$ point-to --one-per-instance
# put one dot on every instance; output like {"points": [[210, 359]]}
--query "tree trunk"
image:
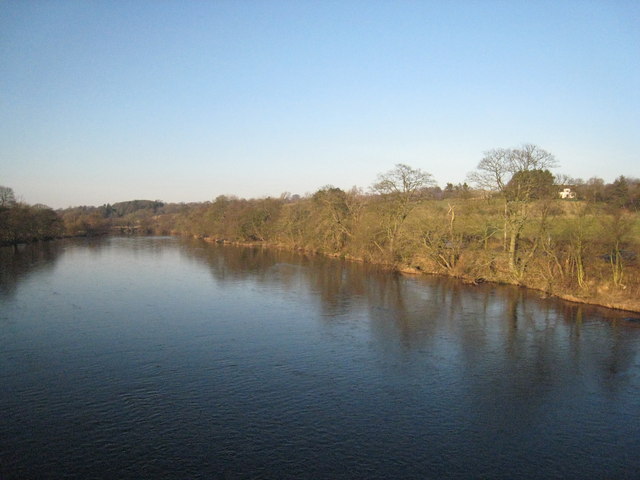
{"points": [[513, 249]]}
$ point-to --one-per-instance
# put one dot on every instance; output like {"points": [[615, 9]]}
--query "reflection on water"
{"points": [[413, 313], [19, 263], [175, 358]]}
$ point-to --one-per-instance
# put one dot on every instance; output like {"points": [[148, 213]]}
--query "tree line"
{"points": [[510, 225], [22, 223]]}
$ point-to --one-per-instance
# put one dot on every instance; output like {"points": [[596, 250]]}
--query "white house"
{"points": [[567, 193]]}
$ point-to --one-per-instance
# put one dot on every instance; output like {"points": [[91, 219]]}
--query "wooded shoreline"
{"points": [[521, 225]]}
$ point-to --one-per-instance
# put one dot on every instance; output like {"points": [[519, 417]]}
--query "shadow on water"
{"points": [[26, 260], [516, 326], [18, 264], [338, 282]]}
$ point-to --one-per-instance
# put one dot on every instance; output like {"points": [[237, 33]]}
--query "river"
{"points": [[161, 357]]}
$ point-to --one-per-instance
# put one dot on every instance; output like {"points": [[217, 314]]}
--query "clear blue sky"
{"points": [[105, 101]]}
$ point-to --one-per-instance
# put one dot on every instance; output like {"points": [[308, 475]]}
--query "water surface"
{"points": [[165, 358]]}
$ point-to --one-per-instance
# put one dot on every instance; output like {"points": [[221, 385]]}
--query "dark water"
{"points": [[165, 358]]}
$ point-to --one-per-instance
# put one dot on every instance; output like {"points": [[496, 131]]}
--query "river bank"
{"points": [[602, 297]]}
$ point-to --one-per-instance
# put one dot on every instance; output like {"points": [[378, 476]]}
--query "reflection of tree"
{"points": [[338, 285], [403, 315], [243, 263], [540, 354], [501, 340], [490, 331], [343, 288], [18, 264]]}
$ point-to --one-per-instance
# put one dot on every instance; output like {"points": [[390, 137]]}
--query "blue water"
{"points": [[160, 357]]}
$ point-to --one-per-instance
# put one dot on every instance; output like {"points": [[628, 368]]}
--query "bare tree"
{"points": [[7, 197], [519, 175], [530, 157], [401, 188], [498, 166], [493, 171]]}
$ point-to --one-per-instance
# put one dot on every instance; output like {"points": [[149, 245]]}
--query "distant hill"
{"points": [[121, 209]]}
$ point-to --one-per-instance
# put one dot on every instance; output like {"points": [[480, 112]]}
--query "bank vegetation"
{"points": [[509, 226]]}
